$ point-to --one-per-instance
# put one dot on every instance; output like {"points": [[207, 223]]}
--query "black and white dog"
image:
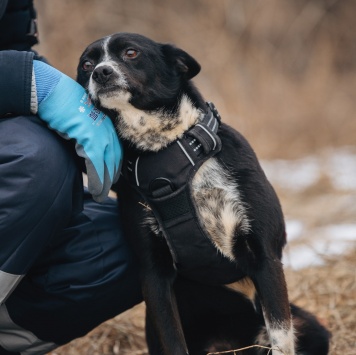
{"points": [[205, 222]]}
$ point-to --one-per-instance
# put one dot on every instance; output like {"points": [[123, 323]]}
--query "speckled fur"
{"points": [[152, 130], [221, 210], [215, 194]]}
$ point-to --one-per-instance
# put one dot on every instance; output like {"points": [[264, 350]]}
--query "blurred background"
{"points": [[281, 72]]}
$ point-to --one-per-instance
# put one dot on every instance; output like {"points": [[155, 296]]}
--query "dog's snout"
{"points": [[102, 74]]}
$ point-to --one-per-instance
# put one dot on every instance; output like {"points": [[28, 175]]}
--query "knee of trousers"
{"points": [[40, 183], [91, 276], [35, 156]]}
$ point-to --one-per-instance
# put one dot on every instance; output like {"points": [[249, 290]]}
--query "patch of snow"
{"points": [[339, 165], [300, 257], [326, 241], [340, 231], [294, 228], [295, 175], [341, 169]]}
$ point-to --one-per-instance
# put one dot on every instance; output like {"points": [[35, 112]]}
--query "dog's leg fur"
{"points": [[272, 293], [234, 323], [164, 330], [163, 314], [160, 299], [272, 290]]}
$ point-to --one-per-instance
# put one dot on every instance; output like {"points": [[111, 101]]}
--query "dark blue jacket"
{"points": [[18, 29], [15, 155], [18, 32], [15, 83]]}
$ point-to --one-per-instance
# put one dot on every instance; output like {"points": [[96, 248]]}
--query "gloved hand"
{"points": [[67, 109]]}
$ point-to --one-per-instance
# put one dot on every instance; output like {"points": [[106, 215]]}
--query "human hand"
{"points": [[66, 107]]}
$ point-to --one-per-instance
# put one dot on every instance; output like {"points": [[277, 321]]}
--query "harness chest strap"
{"points": [[164, 178]]}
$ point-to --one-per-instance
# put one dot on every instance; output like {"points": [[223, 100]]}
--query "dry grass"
{"points": [[281, 72], [122, 335], [328, 291]]}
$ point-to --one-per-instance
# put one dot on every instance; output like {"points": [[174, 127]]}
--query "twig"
{"points": [[246, 348], [147, 207]]}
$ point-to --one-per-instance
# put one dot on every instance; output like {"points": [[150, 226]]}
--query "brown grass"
{"points": [[122, 335], [328, 291]]}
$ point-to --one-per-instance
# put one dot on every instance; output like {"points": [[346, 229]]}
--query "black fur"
{"points": [[185, 315]]}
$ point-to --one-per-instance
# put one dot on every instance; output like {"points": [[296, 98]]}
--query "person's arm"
{"points": [[27, 88], [15, 82], [3, 4]]}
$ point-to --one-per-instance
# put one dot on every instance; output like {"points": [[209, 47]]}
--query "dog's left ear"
{"points": [[184, 63]]}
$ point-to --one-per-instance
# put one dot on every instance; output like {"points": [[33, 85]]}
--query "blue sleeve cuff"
{"points": [[46, 77]]}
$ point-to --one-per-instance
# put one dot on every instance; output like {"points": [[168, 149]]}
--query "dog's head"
{"points": [[145, 84], [128, 67]]}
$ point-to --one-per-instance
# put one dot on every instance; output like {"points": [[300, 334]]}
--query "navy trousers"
{"points": [[65, 266]]}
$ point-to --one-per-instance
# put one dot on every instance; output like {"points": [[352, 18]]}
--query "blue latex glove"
{"points": [[67, 108]]}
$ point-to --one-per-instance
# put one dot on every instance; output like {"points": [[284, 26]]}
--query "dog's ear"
{"points": [[184, 63]]}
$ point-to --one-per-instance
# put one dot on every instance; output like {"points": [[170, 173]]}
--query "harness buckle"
{"points": [[214, 111], [206, 130], [160, 187]]}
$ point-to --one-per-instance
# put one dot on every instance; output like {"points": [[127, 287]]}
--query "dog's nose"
{"points": [[102, 74]]}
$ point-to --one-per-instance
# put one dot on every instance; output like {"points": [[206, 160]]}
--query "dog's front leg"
{"points": [[271, 289], [158, 276], [163, 315]]}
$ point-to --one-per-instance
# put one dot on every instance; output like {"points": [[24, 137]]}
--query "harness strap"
{"points": [[197, 145], [164, 178], [206, 130]]}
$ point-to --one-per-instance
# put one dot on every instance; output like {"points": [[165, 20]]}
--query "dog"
{"points": [[205, 223]]}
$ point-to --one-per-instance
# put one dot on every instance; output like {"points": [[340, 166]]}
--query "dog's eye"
{"points": [[131, 53], [87, 66]]}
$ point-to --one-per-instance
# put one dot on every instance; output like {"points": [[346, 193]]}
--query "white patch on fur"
{"points": [[245, 287], [105, 47], [221, 213], [151, 130], [221, 210], [281, 337], [111, 99]]}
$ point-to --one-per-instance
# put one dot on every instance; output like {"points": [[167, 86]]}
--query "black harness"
{"points": [[163, 179]]}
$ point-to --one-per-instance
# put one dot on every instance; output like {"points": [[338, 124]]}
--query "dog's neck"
{"points": [[154, 130]]}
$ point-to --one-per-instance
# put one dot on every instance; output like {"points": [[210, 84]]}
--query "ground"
{"points": [[328, 291], [320, 259]]}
